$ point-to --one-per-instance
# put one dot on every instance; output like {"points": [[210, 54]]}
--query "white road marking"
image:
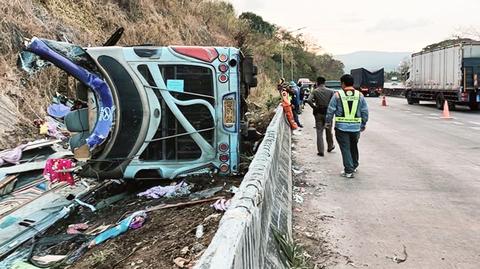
{"points": [[475, 128], [434, 118], [474, 122], [418, 114], [457, 123]]}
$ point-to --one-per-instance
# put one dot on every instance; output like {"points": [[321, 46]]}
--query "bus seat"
{"points": [[77, 120], [78, 140]]}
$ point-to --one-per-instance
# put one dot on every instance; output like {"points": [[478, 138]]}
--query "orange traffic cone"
{"points": [[384, 101], [446, 111]]}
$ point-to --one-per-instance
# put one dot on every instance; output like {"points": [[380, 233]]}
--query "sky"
{"points": [[344, 26]]}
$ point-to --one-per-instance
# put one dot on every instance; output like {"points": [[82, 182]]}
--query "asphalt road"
{"points": [[418, 186]]}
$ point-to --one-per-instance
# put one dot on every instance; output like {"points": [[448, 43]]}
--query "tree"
{"points": [[258, 24], [404, 68]]}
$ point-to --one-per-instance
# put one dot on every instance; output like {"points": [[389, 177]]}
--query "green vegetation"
{"points": [[269, 42], [292, 254]]}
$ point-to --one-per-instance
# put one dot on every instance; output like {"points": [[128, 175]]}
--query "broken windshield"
{"points": [[32, 63], [74, 60]]}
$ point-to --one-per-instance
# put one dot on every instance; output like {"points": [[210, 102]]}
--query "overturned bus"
{"points": [[152, 112]]}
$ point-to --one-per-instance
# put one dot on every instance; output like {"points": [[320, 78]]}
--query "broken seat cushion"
{"points": [[77, 120]]}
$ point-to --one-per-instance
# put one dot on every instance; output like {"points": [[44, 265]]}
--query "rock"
{"points": [[184, 250], [197, 247], [212, 216], [181, 262]]}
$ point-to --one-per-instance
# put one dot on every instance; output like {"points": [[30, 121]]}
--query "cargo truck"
{"points": [[369, 83], [446, 72]]}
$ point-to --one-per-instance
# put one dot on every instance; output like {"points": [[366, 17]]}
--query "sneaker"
{"points": [[347, 175], [355, 171], [331, 149], [320, 154]]}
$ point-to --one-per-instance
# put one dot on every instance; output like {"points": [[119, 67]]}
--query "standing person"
{"points": [[295, 102], [301, 94], [351, 115], [319, 99], [287, 108], [280, 85]]}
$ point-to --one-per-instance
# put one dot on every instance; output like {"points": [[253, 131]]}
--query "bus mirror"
{"points": [[249, 72]]}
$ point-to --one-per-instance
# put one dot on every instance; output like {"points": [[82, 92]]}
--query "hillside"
{"points": [[372, 60], [163, 22]]}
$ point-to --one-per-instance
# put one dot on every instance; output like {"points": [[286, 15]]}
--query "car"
{"points": [[335, 85]]}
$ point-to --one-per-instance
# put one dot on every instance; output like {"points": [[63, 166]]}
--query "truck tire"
{"points": [[410, 100], [473, 106], [439, 101], [451, 106]]}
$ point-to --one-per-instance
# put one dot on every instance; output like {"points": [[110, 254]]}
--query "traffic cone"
{"points": [[384, 101], [446, 111]]}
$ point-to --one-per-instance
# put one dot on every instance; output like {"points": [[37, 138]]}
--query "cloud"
{"points": [[397, 24]]}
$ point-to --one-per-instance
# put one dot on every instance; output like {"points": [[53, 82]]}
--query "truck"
{"points": [[367, 82], [448, 71], [152, 111]]}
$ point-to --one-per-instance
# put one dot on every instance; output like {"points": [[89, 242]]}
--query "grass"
{"points": [[292, 254]]}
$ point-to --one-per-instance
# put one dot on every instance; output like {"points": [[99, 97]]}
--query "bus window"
{"points": [[171, 142]]}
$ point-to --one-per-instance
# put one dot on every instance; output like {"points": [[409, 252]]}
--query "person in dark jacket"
{"points": [[296, 102], [319, 99]]}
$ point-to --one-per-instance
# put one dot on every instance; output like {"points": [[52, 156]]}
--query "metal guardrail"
{"points": [[244, 239]]}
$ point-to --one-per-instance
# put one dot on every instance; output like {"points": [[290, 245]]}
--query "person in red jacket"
{"points": [[287, 108]]}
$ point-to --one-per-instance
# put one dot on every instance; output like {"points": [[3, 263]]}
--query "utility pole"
{"points": [[281, 56], [291, 67], [281, 60]]}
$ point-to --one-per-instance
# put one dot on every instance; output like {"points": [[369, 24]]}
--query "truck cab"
{"points": [[153, 111]]}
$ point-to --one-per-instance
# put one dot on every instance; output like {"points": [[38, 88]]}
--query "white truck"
{"points": [[446, 72]]}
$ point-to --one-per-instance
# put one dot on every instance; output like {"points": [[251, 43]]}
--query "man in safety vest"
{"points": [[351, 115]]}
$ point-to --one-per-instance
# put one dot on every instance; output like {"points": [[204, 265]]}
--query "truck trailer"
{"points": [[449, 72], [369, 83]]}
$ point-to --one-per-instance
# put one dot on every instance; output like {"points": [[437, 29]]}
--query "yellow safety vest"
{"points": [[349, 115]]}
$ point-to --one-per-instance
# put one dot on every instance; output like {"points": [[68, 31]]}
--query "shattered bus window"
{"points": [[72, 52], [31, 63]]}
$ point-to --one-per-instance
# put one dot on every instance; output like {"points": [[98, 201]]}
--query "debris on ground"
{"points": [[296, 171], [205, 193], [181, 262], [12, 155], [298, 198], [98, 239], [134, 221], [199, 231], [298, 193], [177, 190], [396, 259], [77, 228], [221, 204], [233, 189]]}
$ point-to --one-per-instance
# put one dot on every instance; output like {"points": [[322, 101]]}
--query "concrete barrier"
{"points": [[244, 239]]}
